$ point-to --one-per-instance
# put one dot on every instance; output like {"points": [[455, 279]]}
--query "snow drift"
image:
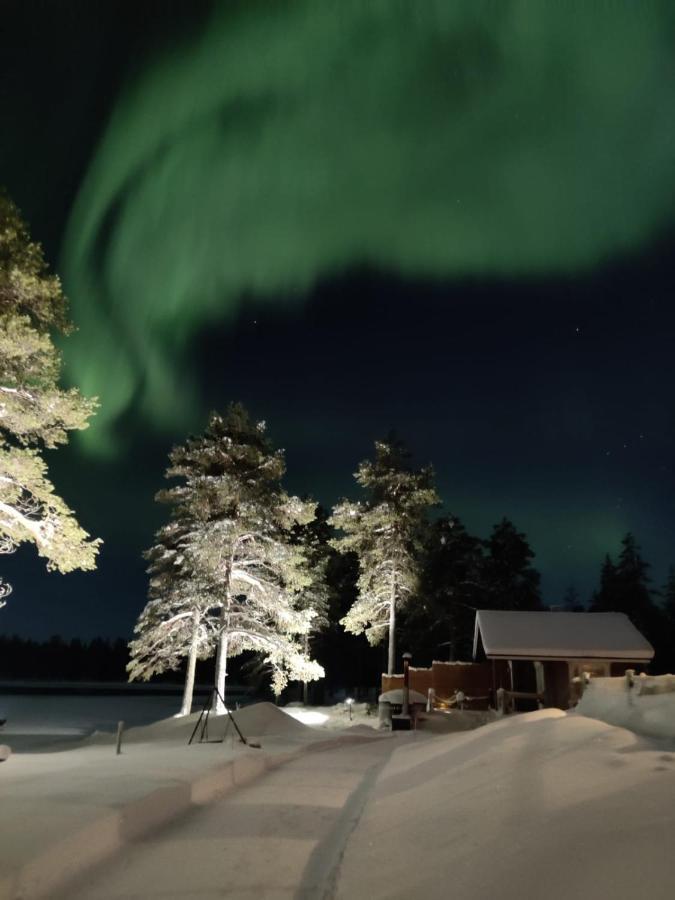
{"points": [[647, 706], [537, 805]]}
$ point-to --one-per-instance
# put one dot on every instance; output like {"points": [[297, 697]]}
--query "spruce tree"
{"points": [[386, 531], [571, 601], [236, 545], [669, 596], [441, 624], [624, 587], [510, 581], [604, 597], [36, 413], [667, 656]]}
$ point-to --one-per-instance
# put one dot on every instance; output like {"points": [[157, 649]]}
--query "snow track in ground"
{"points": [[280, 837], [543, 805]]}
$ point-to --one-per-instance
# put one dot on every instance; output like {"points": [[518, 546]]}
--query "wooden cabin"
{"points": [[544, 658]]}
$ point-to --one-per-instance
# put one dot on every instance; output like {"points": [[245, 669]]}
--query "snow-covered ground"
{"points": [[68, 804], [543, 805], [340, 717]]}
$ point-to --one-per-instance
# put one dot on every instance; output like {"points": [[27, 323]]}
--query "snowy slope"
{"points": [[542, 805]]}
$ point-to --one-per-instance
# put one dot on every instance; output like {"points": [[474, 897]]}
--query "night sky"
{"points": [[455, 219]]}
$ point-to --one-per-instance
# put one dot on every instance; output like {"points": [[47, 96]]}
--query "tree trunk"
{"points": [[392, 627], [305, 684], [221, 673], [189, 687], [221, 655]]}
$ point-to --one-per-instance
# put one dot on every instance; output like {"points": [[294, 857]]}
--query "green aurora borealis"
{"points": [[290, 141], [454, 218]]}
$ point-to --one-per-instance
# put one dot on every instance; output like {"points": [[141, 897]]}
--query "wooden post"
{"points": [[118, 746], [540, 681], [405, 711]]}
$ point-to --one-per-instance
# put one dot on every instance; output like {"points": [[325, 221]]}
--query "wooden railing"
{"points": [[459, 700], [506, 699]]}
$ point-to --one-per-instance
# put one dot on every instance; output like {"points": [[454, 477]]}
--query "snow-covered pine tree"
{"points": [[240, 545], [386, 531], [175, 623], [313, 538], [35, 412]]}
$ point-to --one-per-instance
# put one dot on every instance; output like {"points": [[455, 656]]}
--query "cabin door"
{"points": [[525, 681]]}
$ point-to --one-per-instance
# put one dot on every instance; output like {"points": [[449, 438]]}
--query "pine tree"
{"points": [[624, 587], [441, 623], [604, 598], [667, 642], [35, 412], [386, 531], [237, 545], [176, 623], [669, 596], [510, 582], [571, 601], [313, 538]]}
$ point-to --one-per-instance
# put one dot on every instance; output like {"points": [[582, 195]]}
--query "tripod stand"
{"points": [[203, 723]]}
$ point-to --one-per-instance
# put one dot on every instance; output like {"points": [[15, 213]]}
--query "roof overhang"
{"points": [[541, 635], [540, 657]]}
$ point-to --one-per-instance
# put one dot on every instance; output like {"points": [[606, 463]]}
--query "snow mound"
{"points": [[648, 707], [265, 718], [254, 721], [542, 804]]}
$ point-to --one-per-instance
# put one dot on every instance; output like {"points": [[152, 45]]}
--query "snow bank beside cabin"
{"points": [[644, 704], [538, 806]]}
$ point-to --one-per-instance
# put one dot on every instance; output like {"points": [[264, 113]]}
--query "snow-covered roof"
{"points": [[556, 635]]}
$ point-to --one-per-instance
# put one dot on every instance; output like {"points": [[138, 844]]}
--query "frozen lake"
{"points": [[38, 718]]}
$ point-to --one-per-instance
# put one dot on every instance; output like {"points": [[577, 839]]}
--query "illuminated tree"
{"points": [[386, 531], [35, 412], [313, 539], [175, 623], [236, 556]]}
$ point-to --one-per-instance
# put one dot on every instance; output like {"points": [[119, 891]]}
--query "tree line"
{"points": [[63, 660], [457, 573]]}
